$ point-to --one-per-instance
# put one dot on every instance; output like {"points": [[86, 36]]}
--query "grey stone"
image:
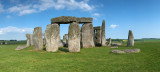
{"points": [[132, 50], [103, 34], [20, 47], [114, 47], [87, 35], [52, 37], [97, 38], [109, 42], [37, 38], [31, 40], [74, 37], [116, 44], [65, 39], [28, 40], [117, 51], [70, 19], [130, 39]]}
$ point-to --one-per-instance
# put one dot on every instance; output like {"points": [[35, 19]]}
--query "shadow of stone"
{"points": [[63, 49]]}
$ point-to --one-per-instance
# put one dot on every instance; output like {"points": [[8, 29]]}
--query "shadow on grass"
{"points": [[63, 49]]}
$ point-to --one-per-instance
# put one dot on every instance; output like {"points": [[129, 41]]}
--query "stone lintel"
{"points": [[97, 28], [70, 19]]}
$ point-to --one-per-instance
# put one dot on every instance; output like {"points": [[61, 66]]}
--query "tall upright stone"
{"points": [[103, 34], [31, 40], [28, 40], [65, 39], [130, 39], [44, 39], [98, 36], [109, 42], [52, 37], [37, 38], [74, 37], [87, 35]]}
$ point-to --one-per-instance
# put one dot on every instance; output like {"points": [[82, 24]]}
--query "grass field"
{"points": [[98, 59]]}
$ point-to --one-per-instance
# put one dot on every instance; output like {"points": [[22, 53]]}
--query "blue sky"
{"points": [[18, 17]]}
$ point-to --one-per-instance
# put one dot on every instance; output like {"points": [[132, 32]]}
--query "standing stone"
{"points": [[37, 38], [28, 40], [65, 39], [52, 37], [74, 37], [44, 39], [130, 39], [103, 34], [87, 35], [31, 40], [98, 36], [109, 42]]}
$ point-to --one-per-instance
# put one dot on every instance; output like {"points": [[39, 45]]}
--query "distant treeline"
{"points": [[4, 42]]}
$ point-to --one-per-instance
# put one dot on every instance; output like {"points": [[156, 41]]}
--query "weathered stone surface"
{"points": [[20, 47], [114, 47], [28, 40], [109, 42], [74, 37], [97, 38], [130, 39], [31, 40], [65, 39], [52, 37], [132, 50], [103, 34], [117, 51], [60, 43], [70, 19], [37, 38], [116, 44], [87, 35], [44, 39]]}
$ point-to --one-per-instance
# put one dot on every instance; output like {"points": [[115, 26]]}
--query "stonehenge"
{"points": [[74, 37], [130, 39], [37, 38], [97, 38], [109, 42], [65, 39], [52, 37], [29, 40], [103, 34], [86, 36]]}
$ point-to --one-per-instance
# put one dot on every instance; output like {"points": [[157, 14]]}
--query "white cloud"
{"points": [[11, 29], [22, 10], [96, 14], [43, 5], [113, 26], [1, 8]]}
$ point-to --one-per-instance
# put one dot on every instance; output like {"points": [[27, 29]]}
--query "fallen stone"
{"points": [[132, 50], [116, 44], [117, 51], [20, 47], [114, 47]]}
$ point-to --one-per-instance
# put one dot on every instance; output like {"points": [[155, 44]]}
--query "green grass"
{"points": [[98, 59]]}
